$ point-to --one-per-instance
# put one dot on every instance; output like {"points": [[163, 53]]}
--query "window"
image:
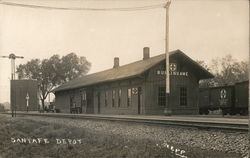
{"points": [[119, 97], [106, 98], [129, 97], [183, 96], [84, 97], [72, 101], [113, 98], [162, 96]]}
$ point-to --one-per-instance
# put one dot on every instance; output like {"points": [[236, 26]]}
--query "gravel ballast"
{"points": [[117, 139], [214, 140]]}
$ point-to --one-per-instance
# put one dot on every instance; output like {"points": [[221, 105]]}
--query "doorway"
{"points": [[98, 102], [139, 100]]}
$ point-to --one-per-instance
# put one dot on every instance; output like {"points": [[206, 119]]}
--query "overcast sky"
{"points": [[203, 29]]}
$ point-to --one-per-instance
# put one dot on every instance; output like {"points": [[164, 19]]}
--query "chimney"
{"points": [[116, 62], [146, 53]]}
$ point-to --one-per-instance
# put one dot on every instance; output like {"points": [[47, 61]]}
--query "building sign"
{"points": [[178, 73], [134, 91], [161, 72], [173, 67], [172, 71]]}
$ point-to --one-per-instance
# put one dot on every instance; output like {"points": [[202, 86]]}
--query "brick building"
{"points": [[135, 88]]}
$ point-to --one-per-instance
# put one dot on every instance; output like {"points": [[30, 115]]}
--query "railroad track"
{"points": [[229, 126]]}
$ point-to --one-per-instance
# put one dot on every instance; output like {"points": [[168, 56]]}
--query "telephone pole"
{"points": [[167, 110], [12, 58]]}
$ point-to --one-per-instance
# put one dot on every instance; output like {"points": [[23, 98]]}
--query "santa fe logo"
{"points": [[223, 94]]}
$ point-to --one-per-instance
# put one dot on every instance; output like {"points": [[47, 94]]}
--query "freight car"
{"points": [[241, 98], [231, 99]]}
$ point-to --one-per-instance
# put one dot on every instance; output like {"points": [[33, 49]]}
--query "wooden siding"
{"points": [[124, 108], [62, 101], [19, 90], [149, 82], [154, 81]]}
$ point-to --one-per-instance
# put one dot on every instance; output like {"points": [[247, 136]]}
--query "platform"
{"points": [[200, 121]]}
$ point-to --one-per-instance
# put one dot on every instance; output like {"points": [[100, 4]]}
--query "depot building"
{"points": [[136, 88]]}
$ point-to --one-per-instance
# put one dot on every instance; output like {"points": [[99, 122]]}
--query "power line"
{"points": [[84, 9]]}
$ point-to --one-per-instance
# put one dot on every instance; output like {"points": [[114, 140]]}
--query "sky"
{"points": [[202, 29]]}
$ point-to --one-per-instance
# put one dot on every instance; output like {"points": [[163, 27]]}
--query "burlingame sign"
{"points": [[172, 71]]}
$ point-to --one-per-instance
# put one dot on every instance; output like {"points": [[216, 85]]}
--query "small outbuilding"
{"points": [[24, 95], [136, 88]]}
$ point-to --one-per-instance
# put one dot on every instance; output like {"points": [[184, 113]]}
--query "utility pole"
{"points": [[249, 88], [249, 93], [249, 100], [167, 110], [12, 58]]}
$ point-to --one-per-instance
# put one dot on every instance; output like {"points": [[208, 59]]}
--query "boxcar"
{"points": [[241, 98], [204, 99], [231, 99], [216, 98]]}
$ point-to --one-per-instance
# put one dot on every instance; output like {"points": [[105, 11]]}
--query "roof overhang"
{"points": [[140, 66]]}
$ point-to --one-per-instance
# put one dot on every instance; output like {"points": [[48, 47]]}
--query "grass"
{"points": [[93, 144]]}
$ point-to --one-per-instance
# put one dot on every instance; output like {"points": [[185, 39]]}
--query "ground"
{"points": [[87, 138]]}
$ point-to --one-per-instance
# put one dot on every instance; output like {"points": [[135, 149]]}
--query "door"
{"points": [[139, 100], [71, 102], [83, 102], [98, 102]]}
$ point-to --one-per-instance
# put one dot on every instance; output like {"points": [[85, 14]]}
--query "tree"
{"points": [[53, 72], [226, 70], [205, 82], [203, 64]]}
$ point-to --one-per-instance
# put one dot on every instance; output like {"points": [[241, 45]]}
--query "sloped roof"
{"points": [[126, 71]]}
